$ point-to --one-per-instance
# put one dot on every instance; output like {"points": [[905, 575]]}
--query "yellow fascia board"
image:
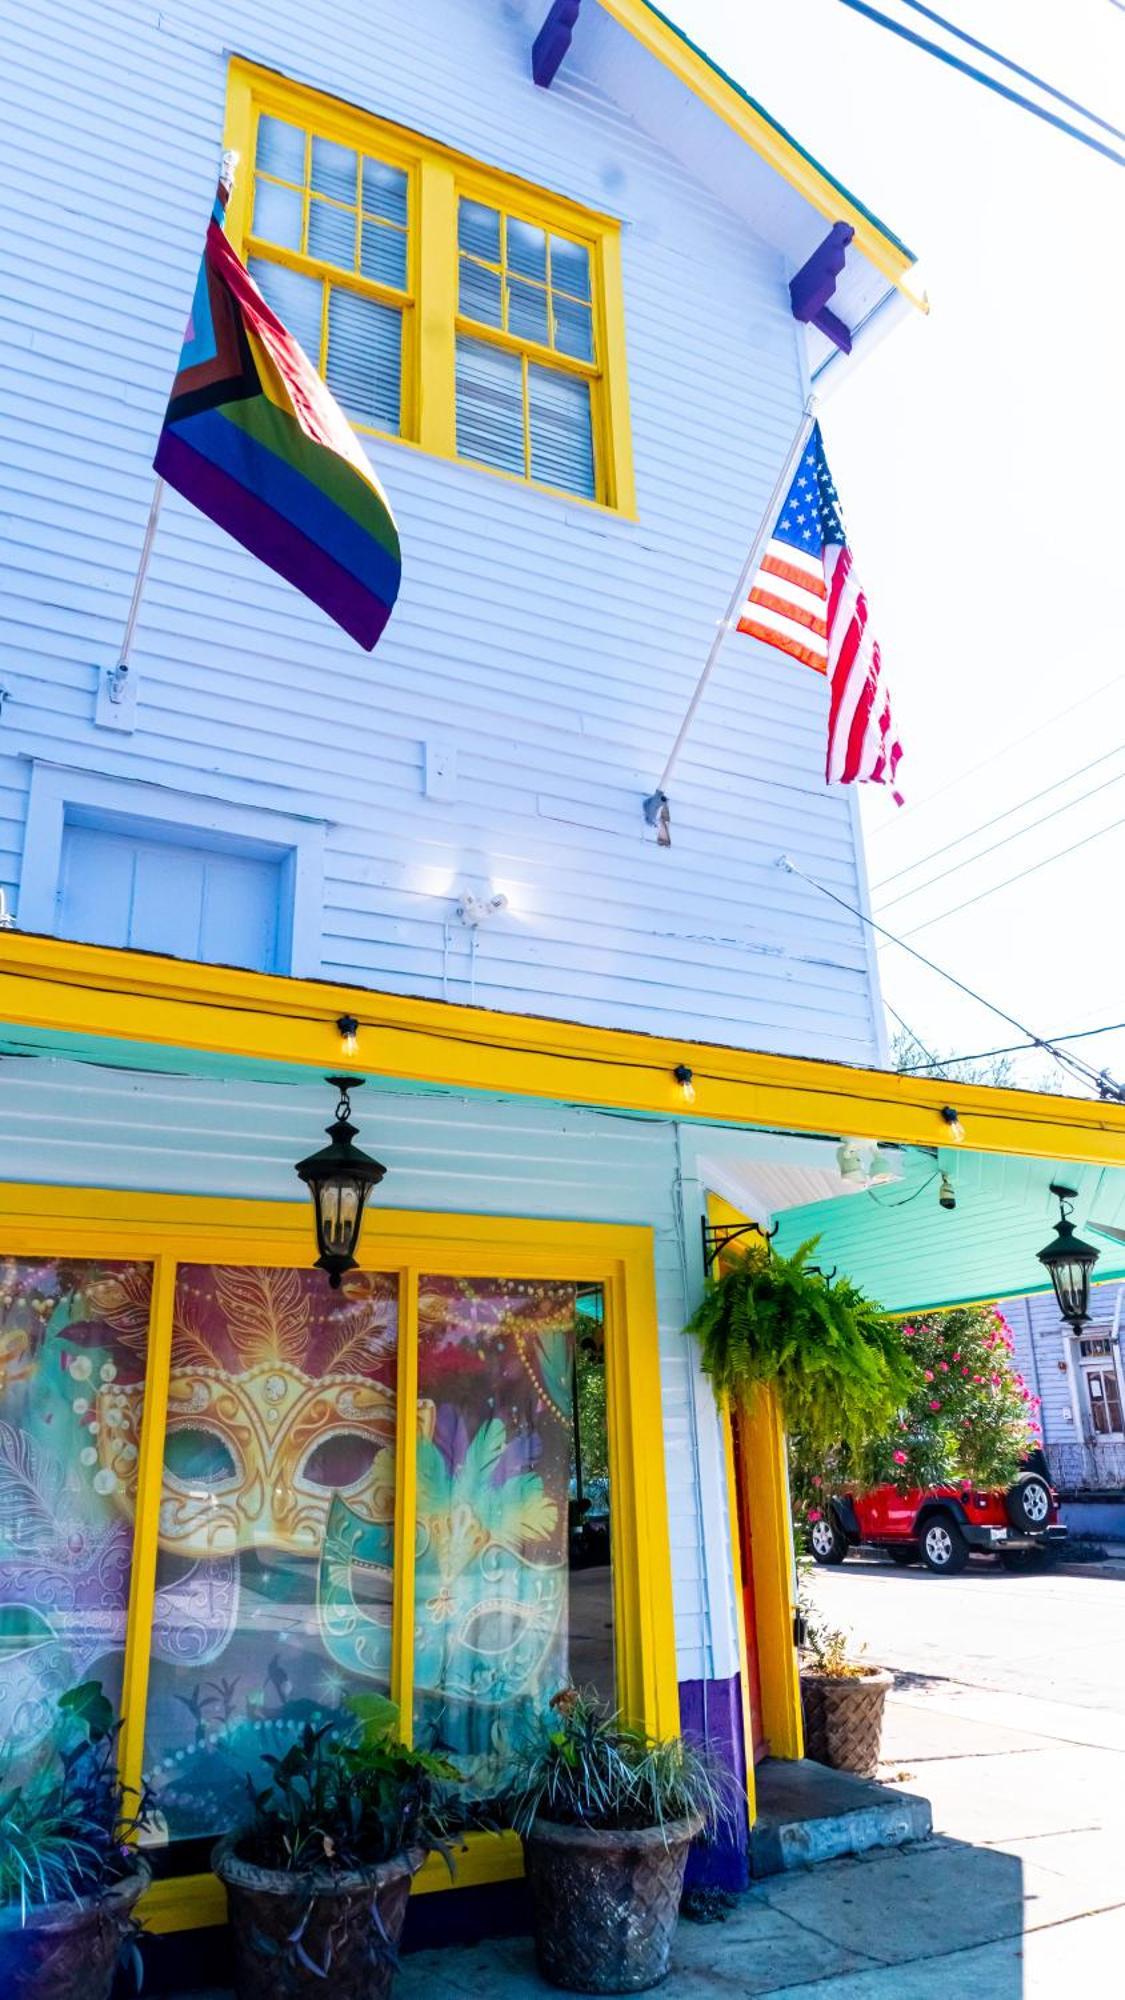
{"points": [[57, 987], [707, 83]]}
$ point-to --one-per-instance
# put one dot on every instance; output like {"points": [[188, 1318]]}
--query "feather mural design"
{"points": [[266, 1311], [31, 1486]]}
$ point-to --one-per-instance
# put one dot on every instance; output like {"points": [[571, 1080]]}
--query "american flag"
{"points": [[806, 600]]}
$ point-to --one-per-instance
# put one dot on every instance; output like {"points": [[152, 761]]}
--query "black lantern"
{"points": [[1070, 1262], [340, 1177]]}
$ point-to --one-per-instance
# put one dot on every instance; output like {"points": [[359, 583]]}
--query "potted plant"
{"points": [[842, 1698], [607, 1816], [834, 1358], [317, 1880], [69, 1878]]}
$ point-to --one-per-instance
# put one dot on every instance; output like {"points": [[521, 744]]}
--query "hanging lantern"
{"points": [[1070, 1262], [340, 1177]]}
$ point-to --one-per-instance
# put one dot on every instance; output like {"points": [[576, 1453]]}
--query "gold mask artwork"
{"points": [[272, 1410]]}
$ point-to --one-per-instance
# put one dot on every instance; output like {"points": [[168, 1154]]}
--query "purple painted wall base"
{"points": [[711, 1713]]}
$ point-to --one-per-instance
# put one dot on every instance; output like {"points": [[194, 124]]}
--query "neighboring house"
{"points": [[558, 307], [1081, 1380]]}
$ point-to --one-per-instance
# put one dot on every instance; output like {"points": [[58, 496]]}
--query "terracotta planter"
{"points": [[843, 1718], [606, 1904], [357, 1954], [69, 1949]]}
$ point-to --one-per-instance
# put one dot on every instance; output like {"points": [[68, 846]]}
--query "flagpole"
{"points": [[656, 805], [122, 667]]}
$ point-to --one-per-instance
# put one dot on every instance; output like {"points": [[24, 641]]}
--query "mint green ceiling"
{"points": [[908, 1252]]}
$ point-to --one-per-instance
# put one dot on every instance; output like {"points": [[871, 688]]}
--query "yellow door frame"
{"points": [[765, 1473], [164, 1230]]}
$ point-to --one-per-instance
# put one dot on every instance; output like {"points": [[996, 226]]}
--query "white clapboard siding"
{"points": [[554, 646], [1043, 1340]]}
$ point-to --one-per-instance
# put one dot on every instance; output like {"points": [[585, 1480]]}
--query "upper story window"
{"points": [[446, 305]]}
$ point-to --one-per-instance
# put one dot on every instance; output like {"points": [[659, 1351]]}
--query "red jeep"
{"points": [[942, 1526]]}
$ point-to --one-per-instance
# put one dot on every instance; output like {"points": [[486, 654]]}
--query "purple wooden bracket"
{"points": [[553, 41], [815, 282]]}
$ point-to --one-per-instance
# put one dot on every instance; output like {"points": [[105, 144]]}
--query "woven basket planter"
{"points": [[606, 1904], [268, 1906], [69, 1949], [843, 1718]]}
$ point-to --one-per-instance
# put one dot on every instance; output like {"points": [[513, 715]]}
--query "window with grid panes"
{"points": [[525, 350], [446, 305], [342, 214]]}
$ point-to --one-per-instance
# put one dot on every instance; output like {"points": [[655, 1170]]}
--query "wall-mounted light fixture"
{"points": [[348, 1028], [685, 1077], [339, 1178], [953, 1123], [473, 910], [1070, 1262]]}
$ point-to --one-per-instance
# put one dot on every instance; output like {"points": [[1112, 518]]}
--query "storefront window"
{"points": [[274, 1580], [73, 1337], [495, 1514]]}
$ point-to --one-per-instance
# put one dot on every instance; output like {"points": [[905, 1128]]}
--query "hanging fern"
{"points": [[834, 1357]]}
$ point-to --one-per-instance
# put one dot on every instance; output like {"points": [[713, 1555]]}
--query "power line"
{"points": [[1028, 75], [1102, 1083], [1022, 876], [1017, 743], [1012, 1049], [990, 82], [933, 1061], [955, 867], [1032, 797]]}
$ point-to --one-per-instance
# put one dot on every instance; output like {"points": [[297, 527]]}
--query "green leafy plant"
{"points": [[828, 1646], [350, 1799], [589, 1768], [64, 1831], [835, 1358]]}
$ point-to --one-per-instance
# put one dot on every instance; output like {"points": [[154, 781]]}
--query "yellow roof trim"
{"points": [[749, 122], [64, 989]]}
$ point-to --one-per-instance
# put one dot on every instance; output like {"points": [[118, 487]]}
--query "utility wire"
{"points": [[1017, 743], [934, 1062], [990, 82], [955, 867], [1012, 1048], [1103, 1083], [1028, 75], [1060, 855], [1032, 798]]}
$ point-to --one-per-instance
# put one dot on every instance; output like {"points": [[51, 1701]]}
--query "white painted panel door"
{"points": [[158, 895]]}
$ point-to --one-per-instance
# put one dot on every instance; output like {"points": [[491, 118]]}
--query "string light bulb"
{"points": [[685, 1077], [956, 1129], [947, 1194], [348, 1028]]}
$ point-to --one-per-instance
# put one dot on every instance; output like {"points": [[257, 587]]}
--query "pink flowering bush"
{"points": [[980, 1427], [983, 1424]]}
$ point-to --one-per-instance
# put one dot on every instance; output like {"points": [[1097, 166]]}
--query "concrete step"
{"points": [[808, 1813]]}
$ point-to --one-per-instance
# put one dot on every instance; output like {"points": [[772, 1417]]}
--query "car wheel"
{"points": [[942, 1546], [902, 1558], [826, 1541], [1028, 1502], [1022, 1559]]}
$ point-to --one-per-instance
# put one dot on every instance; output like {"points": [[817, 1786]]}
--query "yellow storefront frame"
{"points": [[66, 992], [165, 1230]]}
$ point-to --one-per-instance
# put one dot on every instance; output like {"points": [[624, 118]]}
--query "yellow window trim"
{"points": [[437, 177], [166, 1229], [64, 991]]}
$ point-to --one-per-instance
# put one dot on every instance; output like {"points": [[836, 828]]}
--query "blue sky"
{"points": [[980, 457]]}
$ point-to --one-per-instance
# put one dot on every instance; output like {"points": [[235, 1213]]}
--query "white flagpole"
{"points": [[142, 573], [656, 806]]}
